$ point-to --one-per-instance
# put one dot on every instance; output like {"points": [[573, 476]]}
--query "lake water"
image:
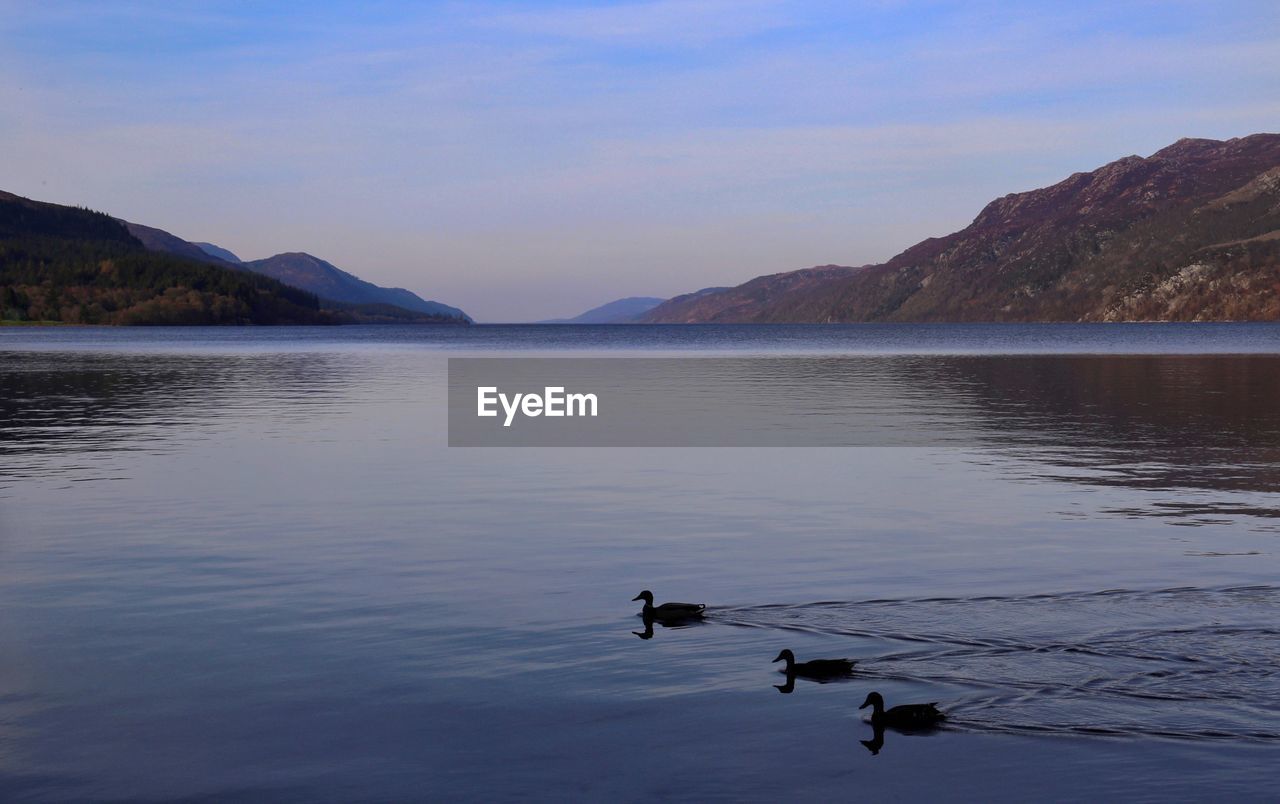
{"points": [[242, 564]]}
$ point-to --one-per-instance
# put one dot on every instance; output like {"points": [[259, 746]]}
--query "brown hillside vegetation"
{"points": [[1191, 233]]}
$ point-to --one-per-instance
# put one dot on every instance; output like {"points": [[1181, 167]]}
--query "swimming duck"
{"points": [[903, 716], [668, 611], [815, 668]]}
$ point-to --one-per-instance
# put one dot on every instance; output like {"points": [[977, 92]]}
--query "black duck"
{"points": [[668, 612], [815, 668], [904, 716]]}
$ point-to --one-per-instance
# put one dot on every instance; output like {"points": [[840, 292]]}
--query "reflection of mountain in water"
{"points": [[1205, 427], [85, 404], [1207, 423], [1190, 423]]}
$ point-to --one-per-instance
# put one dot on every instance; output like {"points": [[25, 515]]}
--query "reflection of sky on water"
{"points": [[241, 570], [1157, 423]]}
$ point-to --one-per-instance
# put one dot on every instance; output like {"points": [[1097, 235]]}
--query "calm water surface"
{"points": [[243, 564]]}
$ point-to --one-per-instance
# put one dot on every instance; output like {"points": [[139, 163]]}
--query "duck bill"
{"points": [[779, 658], [637, 597]]}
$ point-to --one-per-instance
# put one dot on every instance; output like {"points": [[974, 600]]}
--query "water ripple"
{"points": [[1112, 662]]}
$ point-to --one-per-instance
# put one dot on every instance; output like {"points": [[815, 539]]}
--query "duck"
{"points": [[815, 668], [903, 716], [669, 611]]}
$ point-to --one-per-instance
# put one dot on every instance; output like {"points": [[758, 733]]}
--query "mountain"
{"points": [[352, 298], [73, 265], [219, 252], [622, 311], [160, 240], [330, 282], [1190, 233]]}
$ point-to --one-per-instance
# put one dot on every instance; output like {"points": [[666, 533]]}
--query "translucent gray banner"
{"points": [[703, 401]]}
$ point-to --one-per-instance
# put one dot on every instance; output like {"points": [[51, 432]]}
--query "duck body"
{"points": [[903, 716], [926, 714], [815, 668], [669, 612]]}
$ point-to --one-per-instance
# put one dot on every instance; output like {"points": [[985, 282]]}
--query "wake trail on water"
{"points": [[1180, 663]]}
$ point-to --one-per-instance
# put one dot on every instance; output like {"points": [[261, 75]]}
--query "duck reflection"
{"points": [[877, 735], [647, 633], [788, 686], [876, 742]]}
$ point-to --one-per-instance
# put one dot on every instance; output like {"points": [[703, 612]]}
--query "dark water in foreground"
{"points": [[242, 564]]}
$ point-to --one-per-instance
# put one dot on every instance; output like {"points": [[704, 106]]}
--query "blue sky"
{"points": [[532, 159]]}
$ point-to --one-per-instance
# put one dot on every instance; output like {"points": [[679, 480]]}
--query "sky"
{"points": [[529, 160]]}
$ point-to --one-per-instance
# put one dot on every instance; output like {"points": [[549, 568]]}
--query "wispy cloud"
{"points": [[650, 24]]}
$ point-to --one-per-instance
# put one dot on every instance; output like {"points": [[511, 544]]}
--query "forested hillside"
{"points": [[76, 266]]}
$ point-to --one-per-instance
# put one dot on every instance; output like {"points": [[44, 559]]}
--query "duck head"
{"points": [[875, 701], [646, 596], [787, 656]]}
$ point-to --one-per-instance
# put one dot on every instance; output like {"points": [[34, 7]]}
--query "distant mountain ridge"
{"points": [[621, 311], [1190, 233], [219, 252], [302, 270], [299, 270], [73, 265], [160, 240]]}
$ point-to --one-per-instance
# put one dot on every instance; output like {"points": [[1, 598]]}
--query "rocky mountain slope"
{"points": [[1190, 233]]}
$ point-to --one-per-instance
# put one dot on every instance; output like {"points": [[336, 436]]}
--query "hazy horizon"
{"points": [[526, 161]]}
